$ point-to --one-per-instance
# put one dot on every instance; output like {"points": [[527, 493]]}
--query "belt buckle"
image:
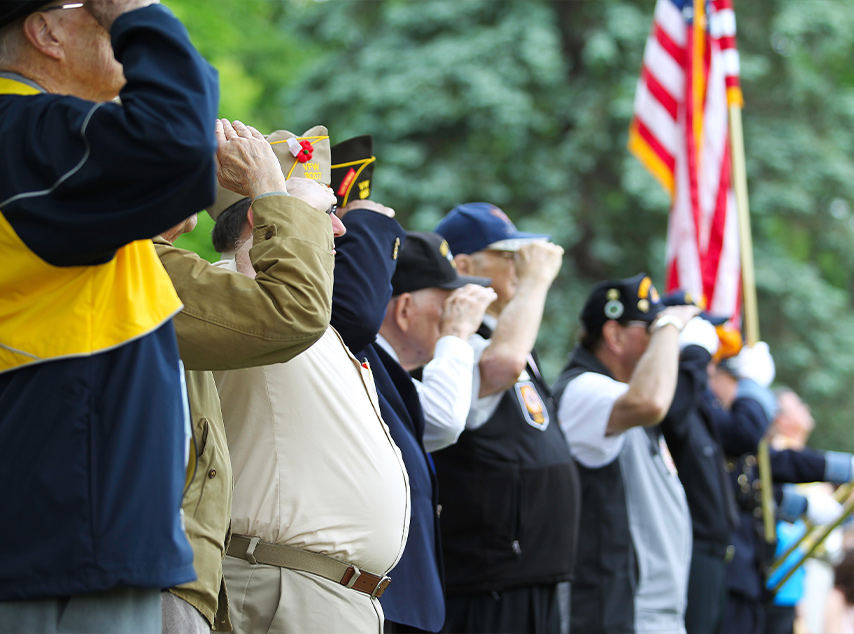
{"points": [[380, 587]]}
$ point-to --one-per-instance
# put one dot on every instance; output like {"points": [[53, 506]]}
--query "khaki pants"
{"points": [[281, 601]]}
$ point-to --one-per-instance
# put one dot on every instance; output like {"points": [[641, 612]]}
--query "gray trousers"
{"points": [[117, 611], [179, 617]]}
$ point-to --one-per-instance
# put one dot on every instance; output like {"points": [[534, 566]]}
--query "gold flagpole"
{"points": [[750, 308]]}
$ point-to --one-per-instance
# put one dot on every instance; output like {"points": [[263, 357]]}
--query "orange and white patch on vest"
{"points": [[532, 405]]}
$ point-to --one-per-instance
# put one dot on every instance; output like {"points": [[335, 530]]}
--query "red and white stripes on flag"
{"points": [[680, 133]]}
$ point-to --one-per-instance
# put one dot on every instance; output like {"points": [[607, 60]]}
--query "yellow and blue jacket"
{"points": [[92, 412]]}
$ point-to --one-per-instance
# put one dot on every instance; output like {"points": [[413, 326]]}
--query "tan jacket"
{"points": [[231, 321]]}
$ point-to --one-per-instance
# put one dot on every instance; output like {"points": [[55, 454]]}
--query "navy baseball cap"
{"points": [[473, 227]]}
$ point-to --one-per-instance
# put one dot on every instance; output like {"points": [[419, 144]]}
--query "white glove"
{"points": [[699, 332], [756, 364], [822, 508]]}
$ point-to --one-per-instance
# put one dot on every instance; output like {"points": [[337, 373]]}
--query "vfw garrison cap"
{"points": [[353, 163], [304, 156], [630, 299], [425, 261], [473, 227], [11, 10]]}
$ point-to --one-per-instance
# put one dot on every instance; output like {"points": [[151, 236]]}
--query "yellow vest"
{"points": [[49, 312]]}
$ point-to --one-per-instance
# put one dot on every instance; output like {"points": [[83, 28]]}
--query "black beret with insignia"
{"points": [[630, 299], [353, 163]]}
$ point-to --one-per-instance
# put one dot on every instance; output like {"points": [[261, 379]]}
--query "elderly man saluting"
{"points": [[92, 421]]}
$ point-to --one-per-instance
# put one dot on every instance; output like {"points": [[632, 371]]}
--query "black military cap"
{"points": [[630, 299], [11, 10], [683, 298], [353, 163], [425, 261]]}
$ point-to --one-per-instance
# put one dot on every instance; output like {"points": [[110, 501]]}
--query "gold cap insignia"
{"points": [[612, 294], [396, 248], [643, 305]]}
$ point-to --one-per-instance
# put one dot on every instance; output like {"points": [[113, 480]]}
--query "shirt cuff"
{"points": [[792, 506], [270, 194], [451, 346], [837, 467]]}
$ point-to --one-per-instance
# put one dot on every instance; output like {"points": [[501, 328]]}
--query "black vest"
{"points": [[510, 496], [606, 572]]}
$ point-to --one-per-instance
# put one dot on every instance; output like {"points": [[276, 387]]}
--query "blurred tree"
{"points": [[526, 104]]}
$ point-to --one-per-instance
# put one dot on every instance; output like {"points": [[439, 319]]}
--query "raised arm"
{"points": [[518, 324], [82, 179], [653, 381], [231, 320]]}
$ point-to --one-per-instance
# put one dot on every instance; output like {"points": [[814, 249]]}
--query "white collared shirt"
{"points": [[444, 391]]}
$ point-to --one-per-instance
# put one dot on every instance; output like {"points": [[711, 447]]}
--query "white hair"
{"points": [[10, 44]]}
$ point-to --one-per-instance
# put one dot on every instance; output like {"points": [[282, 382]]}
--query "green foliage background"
{"points": [[526, 104]]}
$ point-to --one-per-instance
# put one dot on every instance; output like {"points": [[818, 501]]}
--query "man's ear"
{"points": [[612, 335], [464, 263], [46, 36], [250, 217], [403, 312]]}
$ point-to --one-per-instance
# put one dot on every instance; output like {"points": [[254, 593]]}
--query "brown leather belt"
{"points": [[253, 550]]}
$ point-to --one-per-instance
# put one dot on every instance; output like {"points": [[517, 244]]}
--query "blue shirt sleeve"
{"points": [[81, 179]]}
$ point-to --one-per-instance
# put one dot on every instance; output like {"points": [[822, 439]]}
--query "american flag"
{"points": [[680, 133]]}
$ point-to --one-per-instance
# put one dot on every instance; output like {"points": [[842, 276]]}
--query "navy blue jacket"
{"points": [[740, 431], [692, 439], [95, 445], [415, 596]]}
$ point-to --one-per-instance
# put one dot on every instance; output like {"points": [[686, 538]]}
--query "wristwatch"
{"points": [[668, 320]]}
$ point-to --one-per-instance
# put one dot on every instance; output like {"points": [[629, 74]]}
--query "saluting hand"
{"points": [[106, 11], [539, 260], [245, 161], [463, 311]]}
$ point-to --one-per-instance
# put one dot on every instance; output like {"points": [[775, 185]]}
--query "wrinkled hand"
{"points": [[368, 204], [312, 192], [539, 260], [757, 364], [464, 309], [699, 332], [245, 161], [106, 11]]}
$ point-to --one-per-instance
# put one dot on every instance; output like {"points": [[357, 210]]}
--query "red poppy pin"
{"points": [[304, 155]]}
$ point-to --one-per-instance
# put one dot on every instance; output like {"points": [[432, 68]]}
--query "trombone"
{"points": [[814, 535]]}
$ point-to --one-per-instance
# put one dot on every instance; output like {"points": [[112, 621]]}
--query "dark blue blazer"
{"points": [[365, 255]]}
